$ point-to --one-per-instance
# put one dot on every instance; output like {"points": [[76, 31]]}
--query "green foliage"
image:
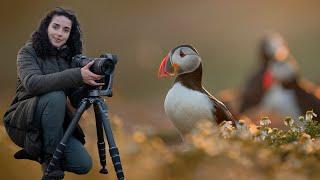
{"points": [[297, 129]]}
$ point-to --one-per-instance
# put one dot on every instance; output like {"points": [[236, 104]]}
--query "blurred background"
{"points": [[141, 33]]}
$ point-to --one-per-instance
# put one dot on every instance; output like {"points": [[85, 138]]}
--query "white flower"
{"points": [[265, 121], [288, 121], [226, 129], [310, 115]]}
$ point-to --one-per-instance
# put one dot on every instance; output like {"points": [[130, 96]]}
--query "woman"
{"points": [[46, 84]]}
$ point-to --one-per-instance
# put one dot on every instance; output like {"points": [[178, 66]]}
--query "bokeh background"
{"points": [[141, 33]]}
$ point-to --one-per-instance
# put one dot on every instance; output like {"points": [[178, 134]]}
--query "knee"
{"points": [[53, 100], [84, 166], [77, 159]]}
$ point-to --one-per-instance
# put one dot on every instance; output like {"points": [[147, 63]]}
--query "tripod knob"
{"points": [[103, 170]]}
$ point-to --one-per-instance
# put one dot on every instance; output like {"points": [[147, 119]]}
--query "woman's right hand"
{"points": [[89, 77]]}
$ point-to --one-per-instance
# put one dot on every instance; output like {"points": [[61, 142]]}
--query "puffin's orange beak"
{"points": [[166, 69], [281, 53]]}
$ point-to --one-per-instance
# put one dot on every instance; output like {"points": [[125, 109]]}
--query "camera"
{"points": [[104, 65]]}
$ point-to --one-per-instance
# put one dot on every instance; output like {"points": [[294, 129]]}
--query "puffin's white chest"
{"points": [[185, 107], [281, 100]]}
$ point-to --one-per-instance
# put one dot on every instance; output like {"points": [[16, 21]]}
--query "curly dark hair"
{"points": [[41, 42]]}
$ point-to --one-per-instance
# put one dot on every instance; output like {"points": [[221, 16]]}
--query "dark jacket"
{"points": [[38, 76]]}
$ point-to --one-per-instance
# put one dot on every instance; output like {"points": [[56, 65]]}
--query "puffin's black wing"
{"points": [[253, 91], [306, 94], [221, 112]]}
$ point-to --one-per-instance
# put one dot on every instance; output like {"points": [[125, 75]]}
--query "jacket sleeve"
{"points": [[36, 83]]}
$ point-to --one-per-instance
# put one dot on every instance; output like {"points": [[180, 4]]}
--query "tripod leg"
{"points": [[100, 142], [60, 148], [113, 150]]}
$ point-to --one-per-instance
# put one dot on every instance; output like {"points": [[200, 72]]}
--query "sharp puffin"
{"points": [[277, 85], [187, 102]]}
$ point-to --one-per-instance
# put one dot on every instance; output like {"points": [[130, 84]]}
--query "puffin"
{"points": [[277, 86], [188, 102]]}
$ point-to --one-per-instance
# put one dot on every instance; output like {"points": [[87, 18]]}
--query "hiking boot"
{"points": [[55, 174]]}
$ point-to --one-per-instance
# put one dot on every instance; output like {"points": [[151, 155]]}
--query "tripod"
{"points": [[102, 123]]}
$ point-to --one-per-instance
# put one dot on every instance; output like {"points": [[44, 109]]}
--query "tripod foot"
{"points": [[104, 171]]}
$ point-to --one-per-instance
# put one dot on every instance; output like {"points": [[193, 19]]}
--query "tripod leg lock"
{"points": [[114, 153]]}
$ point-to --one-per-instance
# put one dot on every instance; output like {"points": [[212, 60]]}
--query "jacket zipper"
{"points": [[58, 62]]}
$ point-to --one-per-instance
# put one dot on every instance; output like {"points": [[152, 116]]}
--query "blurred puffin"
{"points": [[277, 86], [187, 102]]}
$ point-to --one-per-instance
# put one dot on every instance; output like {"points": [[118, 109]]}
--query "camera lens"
{"points": [[103, 66], [107, 66]]}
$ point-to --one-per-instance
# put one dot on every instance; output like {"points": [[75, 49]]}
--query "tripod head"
{"points": [[105, 90]]}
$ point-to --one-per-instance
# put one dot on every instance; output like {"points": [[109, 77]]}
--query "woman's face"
{"points": [[59, 30]]}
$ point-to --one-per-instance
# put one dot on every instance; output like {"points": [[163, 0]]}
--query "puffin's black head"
{"points": [[180, 60]]}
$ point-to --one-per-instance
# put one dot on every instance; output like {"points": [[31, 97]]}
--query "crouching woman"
{"points": [[47, 86]]}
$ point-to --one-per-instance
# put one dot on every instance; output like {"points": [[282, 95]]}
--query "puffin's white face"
{"points": [[186, 59], [182, 59], [277, 48]]}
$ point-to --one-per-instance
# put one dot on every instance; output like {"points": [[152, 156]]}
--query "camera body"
{"points": [[104, 65]]}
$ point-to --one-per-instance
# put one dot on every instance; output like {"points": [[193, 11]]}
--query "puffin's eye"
{"points": [[182, 54]]}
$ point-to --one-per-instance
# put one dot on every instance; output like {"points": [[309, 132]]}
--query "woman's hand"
{"points": [[89, 77]]}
